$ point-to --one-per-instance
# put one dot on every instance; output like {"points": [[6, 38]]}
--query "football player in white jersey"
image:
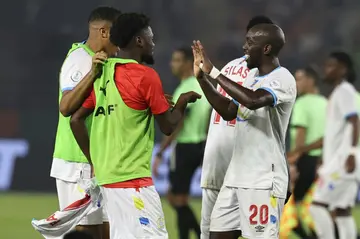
{"points": [[77, 75], [337, 186], [219, 146], [256, 182]]}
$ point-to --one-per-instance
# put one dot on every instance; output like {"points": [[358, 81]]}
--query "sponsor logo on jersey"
{"points": [[103, 89], [101, 110], [76, 76], [259, 228]]}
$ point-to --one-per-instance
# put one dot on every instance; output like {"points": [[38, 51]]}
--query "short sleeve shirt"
{"points": [[140, 88]]}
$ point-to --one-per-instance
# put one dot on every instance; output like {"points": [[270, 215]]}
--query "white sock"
{"points": [[324, 225], [346, 227]]}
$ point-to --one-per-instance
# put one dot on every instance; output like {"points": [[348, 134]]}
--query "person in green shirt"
{"points": [[190, 139], [307, 126]]}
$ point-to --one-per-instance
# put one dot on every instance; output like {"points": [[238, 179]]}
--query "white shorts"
{"points": [[68, 193], [336, 192], [209, 197], [135, 213], [255, 212]]}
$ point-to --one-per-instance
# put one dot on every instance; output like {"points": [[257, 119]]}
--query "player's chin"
{"points": [[149, 60]]}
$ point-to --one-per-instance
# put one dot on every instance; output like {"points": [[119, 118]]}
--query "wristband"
{"points": [[214, 73], [201, 65], [353, 151]]}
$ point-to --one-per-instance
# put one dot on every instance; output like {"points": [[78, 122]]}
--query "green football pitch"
{"points": [[17, 210]]}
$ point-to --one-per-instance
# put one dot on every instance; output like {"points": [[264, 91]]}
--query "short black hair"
{"points": [[187, 51], [78, 235], [126, 26], [104, 13], [312, 73], [346, 60], [258, 20]]}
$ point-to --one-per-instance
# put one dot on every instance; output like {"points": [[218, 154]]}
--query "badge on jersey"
{"points": [[76, 76]]}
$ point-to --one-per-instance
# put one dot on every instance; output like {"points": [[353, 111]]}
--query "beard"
{"points": [[148, 59]]}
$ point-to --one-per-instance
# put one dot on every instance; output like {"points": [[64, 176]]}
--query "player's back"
{"points": [[258, 159], [219, 144], [338, 131]]}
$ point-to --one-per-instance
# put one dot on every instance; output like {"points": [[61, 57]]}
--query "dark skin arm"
{"points": [[80, 131], [224, 106], [250, 99], [169, 120], [350, 162], [71, 100]]}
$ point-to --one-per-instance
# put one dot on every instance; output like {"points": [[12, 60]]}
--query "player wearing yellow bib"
{"points": [[126, 99], [77, 74]]}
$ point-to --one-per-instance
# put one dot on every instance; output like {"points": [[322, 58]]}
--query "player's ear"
{"points": [[104, 33], [139, 41], [267, 49]]}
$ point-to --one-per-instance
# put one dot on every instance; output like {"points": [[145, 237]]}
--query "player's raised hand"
{"points": [[190, 96], [98, 60], [169, 99], [197, 60], [207, 65]]}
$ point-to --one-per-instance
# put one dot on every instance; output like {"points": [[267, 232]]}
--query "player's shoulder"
{"points": [[347, 86], [236, 62], [77, 56]]}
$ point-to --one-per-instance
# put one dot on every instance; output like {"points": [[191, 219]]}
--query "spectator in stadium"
{"points": [[190, 139], [307, 125]]}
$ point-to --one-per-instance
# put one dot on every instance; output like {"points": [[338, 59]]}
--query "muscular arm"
{"points": [[71, 100], [79, 130], [224, 106], [170, 120], [169, 139], [250, 99]]}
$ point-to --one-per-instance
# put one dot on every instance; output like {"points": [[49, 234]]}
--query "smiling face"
{"points": [[254, 48]]}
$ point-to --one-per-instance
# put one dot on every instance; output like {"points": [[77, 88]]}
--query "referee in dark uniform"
{"points": [[190, 143]]}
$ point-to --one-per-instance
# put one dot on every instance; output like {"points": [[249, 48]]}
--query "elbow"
{"points": [[64, 110], [167, 130], [228, 117], [74, 121]]}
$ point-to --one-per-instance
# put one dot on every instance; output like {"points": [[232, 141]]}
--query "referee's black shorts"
{"points": [[306, 167], [185, 160]]}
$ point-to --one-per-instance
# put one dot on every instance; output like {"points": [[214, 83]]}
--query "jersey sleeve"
{"points": [[282, 88], [73, 71], [90, 103], [153, 93], [299, 116], [349, 96]]}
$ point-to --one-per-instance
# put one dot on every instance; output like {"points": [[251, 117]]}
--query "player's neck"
{"points": [[313, 91], [93, 45], [268, 67], [126, 54]]}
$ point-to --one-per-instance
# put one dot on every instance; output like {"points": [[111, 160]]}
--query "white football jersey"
{"points": [[258, 160], [219, 144], [338, 131], [74, 69]]}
